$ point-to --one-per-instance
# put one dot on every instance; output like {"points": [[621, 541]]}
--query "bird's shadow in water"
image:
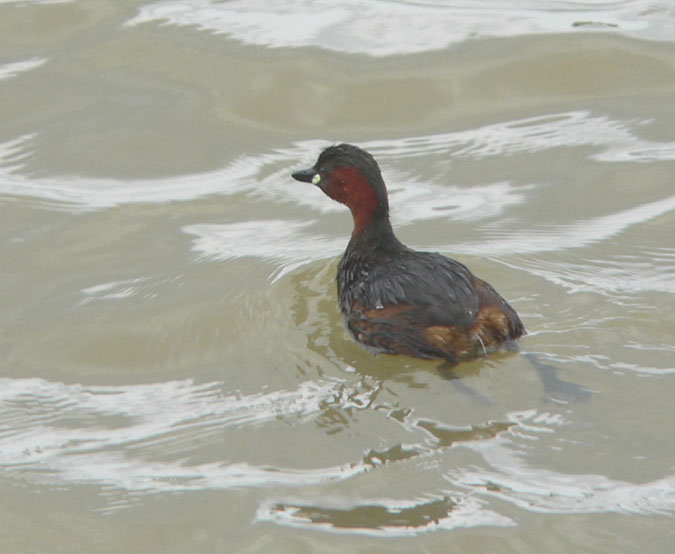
{"points": [[555, 389], [409, 371], [384, 367], [456, 371]]}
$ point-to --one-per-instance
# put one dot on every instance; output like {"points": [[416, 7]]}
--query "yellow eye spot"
{"points": [[316, 179]]}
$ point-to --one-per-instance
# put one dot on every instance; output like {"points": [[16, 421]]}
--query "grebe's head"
{"points": [[351, 176]]}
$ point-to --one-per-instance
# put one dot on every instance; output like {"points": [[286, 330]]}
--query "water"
{"points": [[175, 376]]}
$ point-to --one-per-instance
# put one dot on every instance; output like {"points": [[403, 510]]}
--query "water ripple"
{"points": [[609, 277], [385, 28], [582, 233], [12, 69], [266, 175], [280, 241], [46, 425], [288, 245], [540, 490], [508, 477], [53, 434]]}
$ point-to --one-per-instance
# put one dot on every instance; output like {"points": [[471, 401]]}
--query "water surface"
{"points": [[175, 376]]}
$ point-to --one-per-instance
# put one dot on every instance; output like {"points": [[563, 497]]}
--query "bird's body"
{"points": [[397, 300]]}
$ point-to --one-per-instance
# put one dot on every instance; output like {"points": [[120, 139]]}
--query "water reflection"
{"points": [[513, 479], [110, 435], [612, 276], [53, 433], [386, 516], [552, 237], [266, 176], [281, 241], [12, 69], [291, 244], [387, 28], [231, 399]]}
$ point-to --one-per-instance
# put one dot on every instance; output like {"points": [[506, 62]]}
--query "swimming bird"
{"points": [[394, 299]]}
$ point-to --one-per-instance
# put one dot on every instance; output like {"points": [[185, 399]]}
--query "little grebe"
{"points": [[394, 299]]}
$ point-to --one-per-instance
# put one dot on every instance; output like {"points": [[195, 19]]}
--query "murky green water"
{"points": [[174, 373]]}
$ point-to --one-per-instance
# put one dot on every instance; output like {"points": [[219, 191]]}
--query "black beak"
{"points": [[304, 175]]}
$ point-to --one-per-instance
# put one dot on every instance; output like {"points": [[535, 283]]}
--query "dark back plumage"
{"points": [[397, 300]]}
